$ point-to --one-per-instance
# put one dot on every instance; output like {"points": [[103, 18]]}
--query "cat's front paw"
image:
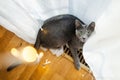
{"points": [[77, 65]]}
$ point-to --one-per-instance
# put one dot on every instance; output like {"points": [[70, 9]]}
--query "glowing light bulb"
{"points": [[41, 54], [29, 54], [15, 52]]}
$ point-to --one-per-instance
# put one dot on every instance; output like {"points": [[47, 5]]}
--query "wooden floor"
{"points": [[60, 68]]}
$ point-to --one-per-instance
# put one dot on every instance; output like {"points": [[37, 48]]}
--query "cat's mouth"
{"points": [[83, 39]]}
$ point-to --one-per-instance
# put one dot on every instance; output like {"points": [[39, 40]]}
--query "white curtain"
{"points": [[25, 17], [101, 51]]}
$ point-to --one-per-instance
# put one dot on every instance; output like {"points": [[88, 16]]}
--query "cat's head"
{"points": [[83, 32]]}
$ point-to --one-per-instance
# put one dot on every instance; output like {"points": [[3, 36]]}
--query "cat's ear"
{"points": [[91, 26], [78, 24]]}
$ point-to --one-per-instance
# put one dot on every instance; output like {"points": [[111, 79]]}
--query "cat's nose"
{"points": [[83, 38]]}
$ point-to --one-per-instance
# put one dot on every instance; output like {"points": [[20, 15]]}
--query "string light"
{"points": [[15, 52], [27, 54], [39, 57]]}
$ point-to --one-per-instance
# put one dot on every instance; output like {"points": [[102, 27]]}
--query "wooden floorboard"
{"points": [[60, 68]]}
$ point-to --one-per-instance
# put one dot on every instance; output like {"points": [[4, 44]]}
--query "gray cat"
{"points": [[64, 29]]}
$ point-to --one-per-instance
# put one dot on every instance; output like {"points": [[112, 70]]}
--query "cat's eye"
{"points": [[88, 32]]}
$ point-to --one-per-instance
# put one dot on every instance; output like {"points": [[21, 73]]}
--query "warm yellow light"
{"points": [[29, 54], [41, 54], [15, 52]]}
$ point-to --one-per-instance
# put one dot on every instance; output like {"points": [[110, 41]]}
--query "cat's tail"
{"points": [[37, 42]]}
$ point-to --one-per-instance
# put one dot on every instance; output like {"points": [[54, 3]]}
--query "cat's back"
{"points": [[64, 21], [61, 25], [60, 17]]}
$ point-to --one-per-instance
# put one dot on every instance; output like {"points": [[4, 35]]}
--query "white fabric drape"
{"points": [[25, 17], [101, 51]]}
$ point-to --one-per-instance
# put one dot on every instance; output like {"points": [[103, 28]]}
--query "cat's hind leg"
{"points": [[37, 42]]}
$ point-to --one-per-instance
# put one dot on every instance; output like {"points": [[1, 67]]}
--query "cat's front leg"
{"points": [[75, 56]]}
